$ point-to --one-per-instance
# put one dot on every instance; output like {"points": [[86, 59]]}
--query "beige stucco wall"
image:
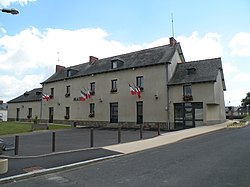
{"points": [[210, 93], [153, 109], [24, 109]]}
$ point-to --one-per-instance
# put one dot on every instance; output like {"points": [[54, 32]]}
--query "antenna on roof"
{"points": [[58, 59], [172, 20]]}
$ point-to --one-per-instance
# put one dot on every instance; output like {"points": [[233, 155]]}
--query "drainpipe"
{"points": [[167, 97]]}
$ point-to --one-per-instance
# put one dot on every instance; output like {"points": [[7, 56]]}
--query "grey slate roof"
{"points": [[146, 57], [198, 72], [29, 96], [3, 106]]}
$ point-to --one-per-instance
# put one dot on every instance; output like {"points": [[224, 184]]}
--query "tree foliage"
{"points": [[246, 100]]}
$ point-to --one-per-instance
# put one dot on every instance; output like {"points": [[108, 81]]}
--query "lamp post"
{"points": [[10, 11]]}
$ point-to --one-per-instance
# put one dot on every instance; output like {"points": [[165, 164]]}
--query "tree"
{"points": [[246, 100]]}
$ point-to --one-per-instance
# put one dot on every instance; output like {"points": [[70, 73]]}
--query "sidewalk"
{"points": [[20, 168]]}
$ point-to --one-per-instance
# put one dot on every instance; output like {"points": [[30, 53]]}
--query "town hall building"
{"points": [[151, 87]]}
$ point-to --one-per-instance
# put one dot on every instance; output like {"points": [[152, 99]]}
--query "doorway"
{"points": [[139, 112], [51, 114]]}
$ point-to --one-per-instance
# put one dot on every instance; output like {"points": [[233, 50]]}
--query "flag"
{"points": [[138, 91], [132, 90], [46, 97], [83, 96], [88, 95]]}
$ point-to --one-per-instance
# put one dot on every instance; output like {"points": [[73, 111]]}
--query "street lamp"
{"points": [[10, 11]]}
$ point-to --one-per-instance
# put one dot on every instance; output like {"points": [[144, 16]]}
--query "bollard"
{"points": [[53, 141], [159, 130], [119, 134], [16, 145], [141, 129], [91, 137]]}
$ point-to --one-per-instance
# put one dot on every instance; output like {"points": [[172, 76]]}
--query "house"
{"points": [[3, 111], [26, 106], [150, 87]]}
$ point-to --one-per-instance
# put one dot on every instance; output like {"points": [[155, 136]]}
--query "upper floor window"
{"points": [[92, 88], [67, 91], [114, 85], [114, 64], [51, 93], [140, 82], [187, 93]]}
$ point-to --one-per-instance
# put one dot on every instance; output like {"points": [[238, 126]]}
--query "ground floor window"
{"points": [[113, 112], [188, 115]]}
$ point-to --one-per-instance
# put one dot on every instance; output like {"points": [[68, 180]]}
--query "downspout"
{"points": [[167, 97]]}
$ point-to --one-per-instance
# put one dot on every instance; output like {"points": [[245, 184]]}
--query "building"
{"points": [[26, 106], [169, 91], [3, 111]]}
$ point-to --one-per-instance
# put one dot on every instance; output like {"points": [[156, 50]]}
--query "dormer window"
{"points": [[69, 73], [114, 64], [191, 70]]}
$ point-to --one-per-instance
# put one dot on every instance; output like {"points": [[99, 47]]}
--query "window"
{"points": [[67, 91], [69, 73], [113, 112], [29, 113], [51, 93], [114, 64], [92, 88], [67, 114], [187, 90], [187, 93], [113, 85], [91, 109], [139, 82]]}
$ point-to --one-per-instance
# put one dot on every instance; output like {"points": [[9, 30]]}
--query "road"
{"points": [[220, 158]]}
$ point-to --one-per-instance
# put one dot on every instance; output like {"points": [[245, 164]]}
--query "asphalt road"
{"points": [[220, 158]]}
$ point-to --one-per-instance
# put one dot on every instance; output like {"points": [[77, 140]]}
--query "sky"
{"points": [[50, 32]]}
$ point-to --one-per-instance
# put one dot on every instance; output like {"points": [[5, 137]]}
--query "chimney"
{"points": [[59, 68], [92, 60], [172, 41]]}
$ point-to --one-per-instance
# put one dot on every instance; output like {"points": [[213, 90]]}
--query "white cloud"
{"points": [[12, 86], [196, 47], [35, 52], [6, 3], [240, 44], [29, 57]]}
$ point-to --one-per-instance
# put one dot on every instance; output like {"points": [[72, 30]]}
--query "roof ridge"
{"points": [[217, 58]]}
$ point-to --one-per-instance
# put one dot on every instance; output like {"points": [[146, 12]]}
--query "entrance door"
{"points": [[17, 114], [113, 112], [188, 116], [51, 114], [139, 111]]}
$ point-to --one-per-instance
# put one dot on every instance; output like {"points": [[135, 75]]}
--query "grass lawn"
{"points": [[18, 127]]}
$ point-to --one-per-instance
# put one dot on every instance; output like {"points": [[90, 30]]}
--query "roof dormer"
{"points": [[116, 62]]}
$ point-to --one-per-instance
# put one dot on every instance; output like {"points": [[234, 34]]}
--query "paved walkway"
{"points": [[33, 166]]}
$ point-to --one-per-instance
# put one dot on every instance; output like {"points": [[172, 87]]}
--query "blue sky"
{"points": [[31, 41]]}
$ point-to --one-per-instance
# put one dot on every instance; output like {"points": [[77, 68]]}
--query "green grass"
{"points": [[247, 117], [19, 127]]}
